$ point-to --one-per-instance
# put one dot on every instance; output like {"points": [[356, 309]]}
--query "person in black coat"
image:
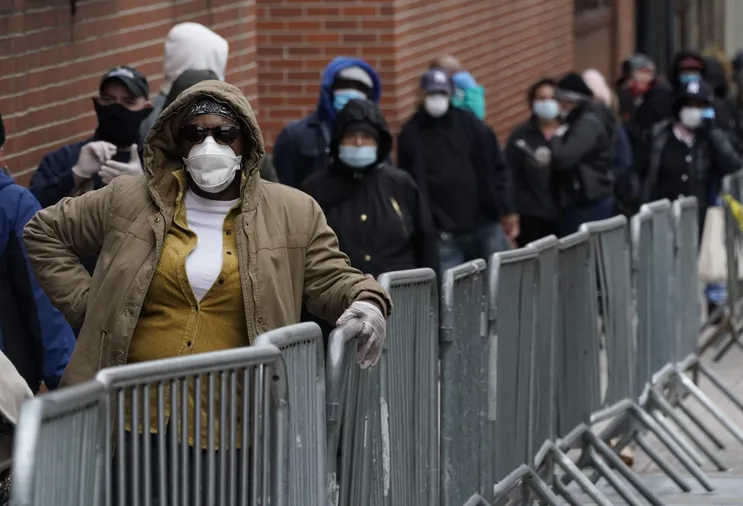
{"points": [[382, 222], [690, 154], [448, 153], [582, 157], [530, 159]]}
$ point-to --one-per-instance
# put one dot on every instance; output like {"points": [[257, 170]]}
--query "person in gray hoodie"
{"points": [[188, 46]]}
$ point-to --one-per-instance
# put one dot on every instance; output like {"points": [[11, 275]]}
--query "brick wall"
{"points": [[506, 44], [51, 62]]}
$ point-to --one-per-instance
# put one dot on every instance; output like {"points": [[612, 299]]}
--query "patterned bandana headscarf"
{"points": [[209, 106]]}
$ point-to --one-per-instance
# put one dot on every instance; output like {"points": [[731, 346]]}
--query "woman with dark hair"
{"points": [[529, 158]]}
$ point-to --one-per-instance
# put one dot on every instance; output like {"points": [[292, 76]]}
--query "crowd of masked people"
{"points": [[148, 267]]}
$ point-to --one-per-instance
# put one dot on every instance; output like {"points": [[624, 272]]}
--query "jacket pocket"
{"points": [[398, 212]]}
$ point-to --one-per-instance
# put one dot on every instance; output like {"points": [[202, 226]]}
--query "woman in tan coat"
{"points": [[198, 254]]}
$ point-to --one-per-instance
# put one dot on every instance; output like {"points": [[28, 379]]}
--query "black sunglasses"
{"points": [[223, 134]]}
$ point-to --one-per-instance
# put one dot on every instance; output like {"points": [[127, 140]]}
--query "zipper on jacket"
{"points": [[398, 211]]}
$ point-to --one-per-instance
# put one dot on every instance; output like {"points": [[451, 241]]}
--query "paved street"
{"points": [[729, 485]]}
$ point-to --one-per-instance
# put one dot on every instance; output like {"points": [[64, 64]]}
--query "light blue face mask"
{"points": [[689, 78], [546, 109], [357, 157], [341, 97]]}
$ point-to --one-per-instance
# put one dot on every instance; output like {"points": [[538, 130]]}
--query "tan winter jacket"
{"points": [[287, 254]]}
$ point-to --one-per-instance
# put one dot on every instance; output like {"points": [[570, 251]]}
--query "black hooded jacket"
{"points": [[582, 158], [382, 222]]}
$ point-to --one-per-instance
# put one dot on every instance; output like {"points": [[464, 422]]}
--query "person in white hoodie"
{"points": [[188, 46]]}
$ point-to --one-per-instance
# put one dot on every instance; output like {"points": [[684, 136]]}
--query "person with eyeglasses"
{"points": [[197, 254], [113, 150]]}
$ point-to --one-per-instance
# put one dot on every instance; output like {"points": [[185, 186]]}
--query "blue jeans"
{"points": [[481, 243], [574, 216]]}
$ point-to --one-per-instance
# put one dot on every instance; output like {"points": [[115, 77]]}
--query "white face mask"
{"points": [[212, 166], [436, 105], [691, 117]]}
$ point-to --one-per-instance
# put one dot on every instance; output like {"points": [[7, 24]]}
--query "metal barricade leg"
{"points": [[697, 393], [570, 469], [665, 407], [717, 382], [701, 426], [619, 466], [647, 421], [606, 472]]}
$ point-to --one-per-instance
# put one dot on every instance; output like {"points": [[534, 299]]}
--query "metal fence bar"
{"points": [[467, 384], [512, 299], [610, 244], [58, 455], [642, 289], [578, 336], [544, 372], [302, 348], [356, 466], [409, 387], [183, 423], [685, 217]]}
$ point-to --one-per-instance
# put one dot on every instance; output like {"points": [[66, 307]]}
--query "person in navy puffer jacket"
{"points": [[33, 334], [302, 147]]}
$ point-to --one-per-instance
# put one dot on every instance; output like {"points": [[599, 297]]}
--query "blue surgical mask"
{"points": [[546, 109], [357, 157], [341, 97], [689, 78], [709, 113]]}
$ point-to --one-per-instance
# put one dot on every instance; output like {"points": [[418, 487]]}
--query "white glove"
{"points": [[92, 157], [372, 334], [111, 169], [562, 130]]}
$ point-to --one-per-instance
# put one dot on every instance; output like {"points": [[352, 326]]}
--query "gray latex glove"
{"points": [[372, 333], [92, 157]]}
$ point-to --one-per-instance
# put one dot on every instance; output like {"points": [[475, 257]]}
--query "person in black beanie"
{"points": [[582, 157], [690, 154]]}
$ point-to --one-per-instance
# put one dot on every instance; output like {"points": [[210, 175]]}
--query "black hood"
{"points": [[674, 71], [715, 76], [367, 113]]}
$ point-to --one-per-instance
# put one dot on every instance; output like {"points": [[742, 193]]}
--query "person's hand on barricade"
{"points": [[92, 157], [372, 334], [111, 169], [510, 224]]}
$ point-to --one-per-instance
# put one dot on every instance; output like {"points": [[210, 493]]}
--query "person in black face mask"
{"points": [[121, 106]]}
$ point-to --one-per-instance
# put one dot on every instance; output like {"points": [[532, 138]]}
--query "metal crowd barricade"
{"points": [[642, 288], [544, 393], [610, 243], [58, 456], [512, 298], [685, 212], [578, 337], [221, 421], [467, 386], [356, 448], [409, 387], [302, 348]]}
